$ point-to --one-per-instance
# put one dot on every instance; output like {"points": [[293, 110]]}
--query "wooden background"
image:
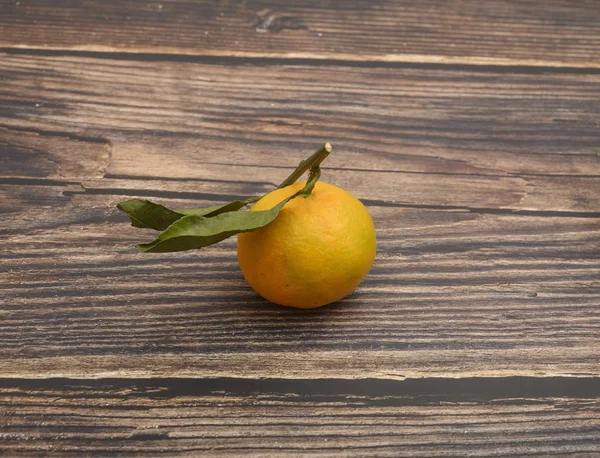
{"points": [[470, 129]]}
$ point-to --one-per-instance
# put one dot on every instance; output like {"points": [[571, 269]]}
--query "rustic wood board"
{"points": [[552, 33], [482, 141], [471, 132], [452, 293], [233, 417]]}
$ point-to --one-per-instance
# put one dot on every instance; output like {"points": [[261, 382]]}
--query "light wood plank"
{"points": [[502, 32], [417, 137]]}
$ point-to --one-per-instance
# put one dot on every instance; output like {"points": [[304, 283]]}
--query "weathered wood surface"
{"points": [[417, 137], [549, 33], [478, 330], [453, 293], [229, 417]]}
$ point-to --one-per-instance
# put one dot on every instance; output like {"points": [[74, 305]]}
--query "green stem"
{"points": [[312, 163], [313, 177]]}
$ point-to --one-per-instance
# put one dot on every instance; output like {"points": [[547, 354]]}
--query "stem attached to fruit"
{"points": [[198, 227], [312, 165], [313, 177]]}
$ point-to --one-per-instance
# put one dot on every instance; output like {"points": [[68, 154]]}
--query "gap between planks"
{"points": [[438, 388], [165, 54]]}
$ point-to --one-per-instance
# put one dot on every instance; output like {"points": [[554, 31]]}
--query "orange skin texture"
{"points": [[316, 251]]}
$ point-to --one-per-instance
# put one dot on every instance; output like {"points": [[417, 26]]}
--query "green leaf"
{"points": [[215, 210], [146, 214], [194, 231], [194, 228]]}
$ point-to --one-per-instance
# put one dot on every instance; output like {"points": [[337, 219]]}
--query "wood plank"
{"points": [[452, 293], [502, 32], [418, 138], [233, 417], [54, 157]]}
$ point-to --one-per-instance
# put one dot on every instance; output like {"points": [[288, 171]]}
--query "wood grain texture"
{"points": [[469, 129], [466, 287], [233, 417], [452, 293], [419, 138], [551, 33]]}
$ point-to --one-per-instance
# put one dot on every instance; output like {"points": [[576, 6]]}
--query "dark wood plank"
{"points": [[235, 417], [462, 286], [417, 137], [452, 293], [503, 32]]}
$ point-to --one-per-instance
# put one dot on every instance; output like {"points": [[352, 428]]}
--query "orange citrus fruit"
{"points": [[317, 250]]}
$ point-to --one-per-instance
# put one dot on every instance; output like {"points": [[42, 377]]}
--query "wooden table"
{"points": [[471, 130]]}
